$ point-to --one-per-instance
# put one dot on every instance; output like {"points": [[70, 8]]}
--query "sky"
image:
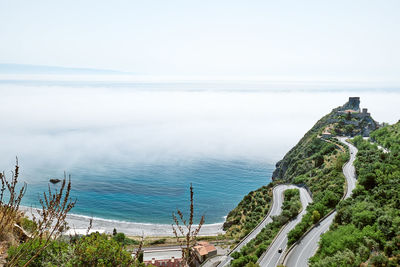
{"points": [[318, 40]]}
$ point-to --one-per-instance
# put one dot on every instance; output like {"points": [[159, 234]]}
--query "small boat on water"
{"points": [[54, 181]]}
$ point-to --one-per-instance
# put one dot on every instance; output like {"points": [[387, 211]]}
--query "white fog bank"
{"points": [[59, 126]]}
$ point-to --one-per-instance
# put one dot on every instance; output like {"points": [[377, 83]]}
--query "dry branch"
{"points": [[186, 235]]}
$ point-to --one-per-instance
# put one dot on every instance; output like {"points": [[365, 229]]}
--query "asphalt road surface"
{"points": [[271, 257], [299, 256], [275, 210]]}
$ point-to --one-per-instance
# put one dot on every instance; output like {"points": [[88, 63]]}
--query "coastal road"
{"points": [[274, 211], [298, 257], [271, 257]]}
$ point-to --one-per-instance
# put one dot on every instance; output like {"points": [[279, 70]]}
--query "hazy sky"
{"points": [[341, 39]]}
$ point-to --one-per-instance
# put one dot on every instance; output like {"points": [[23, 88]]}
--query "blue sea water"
{"points": [[149, 193]]}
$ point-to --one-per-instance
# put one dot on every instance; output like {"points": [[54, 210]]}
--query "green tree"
{"points": [[140, 256], [97, 250], [379, 260], [119, 237], [368, 180], [315, 216], [349, 129], [252, 264], [319, 160]]}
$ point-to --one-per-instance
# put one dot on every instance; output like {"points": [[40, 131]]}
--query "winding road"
{"points": [[299, 255], [275, 210], [306, 248], [271, 257]]}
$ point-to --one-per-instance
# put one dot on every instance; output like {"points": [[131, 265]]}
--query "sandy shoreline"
{"points": [[80, 223]]}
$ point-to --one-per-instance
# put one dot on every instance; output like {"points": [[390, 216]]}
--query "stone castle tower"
{"points": [[352, 104]]}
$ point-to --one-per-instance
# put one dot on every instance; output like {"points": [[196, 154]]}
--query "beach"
{"points": [[79, 224]]}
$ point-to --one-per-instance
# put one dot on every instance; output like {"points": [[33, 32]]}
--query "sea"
{"points": [[133, 147]]}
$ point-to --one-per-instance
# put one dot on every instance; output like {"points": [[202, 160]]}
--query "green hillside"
{"points": [[367, 226], [316, 161]]}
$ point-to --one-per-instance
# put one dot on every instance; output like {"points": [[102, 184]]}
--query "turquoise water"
{"points": [[149, 193]]}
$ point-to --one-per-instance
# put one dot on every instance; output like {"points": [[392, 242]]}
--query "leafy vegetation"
{"points": [[367, 225], [256, 247], [323, 176], [92, 250], [122, 239], [28, 225], [249, 213], [388, 137], [158, 241], [48, 224], [98, 250], [327, 186], [56, 253]]}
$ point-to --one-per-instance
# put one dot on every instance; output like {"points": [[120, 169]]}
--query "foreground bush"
{"points": [[92, 250], [57, 253], [97, 250]]}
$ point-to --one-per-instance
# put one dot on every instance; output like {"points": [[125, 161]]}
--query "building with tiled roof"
{"points": [[204, 250]]}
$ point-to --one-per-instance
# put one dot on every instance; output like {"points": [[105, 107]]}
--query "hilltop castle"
{"points": [[350, 114], [353, 107], [353, 104]]}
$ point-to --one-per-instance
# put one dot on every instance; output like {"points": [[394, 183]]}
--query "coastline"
{"points": [[79, 224]]}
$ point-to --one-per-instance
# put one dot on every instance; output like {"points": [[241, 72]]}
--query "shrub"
{"points": [[158, 241], [57, 253], [97, 250], [28, 225], [315, 216], [121, 238], [379, 260]]}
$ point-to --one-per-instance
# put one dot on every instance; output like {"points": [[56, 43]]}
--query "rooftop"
{"points": [[203, 248]]}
